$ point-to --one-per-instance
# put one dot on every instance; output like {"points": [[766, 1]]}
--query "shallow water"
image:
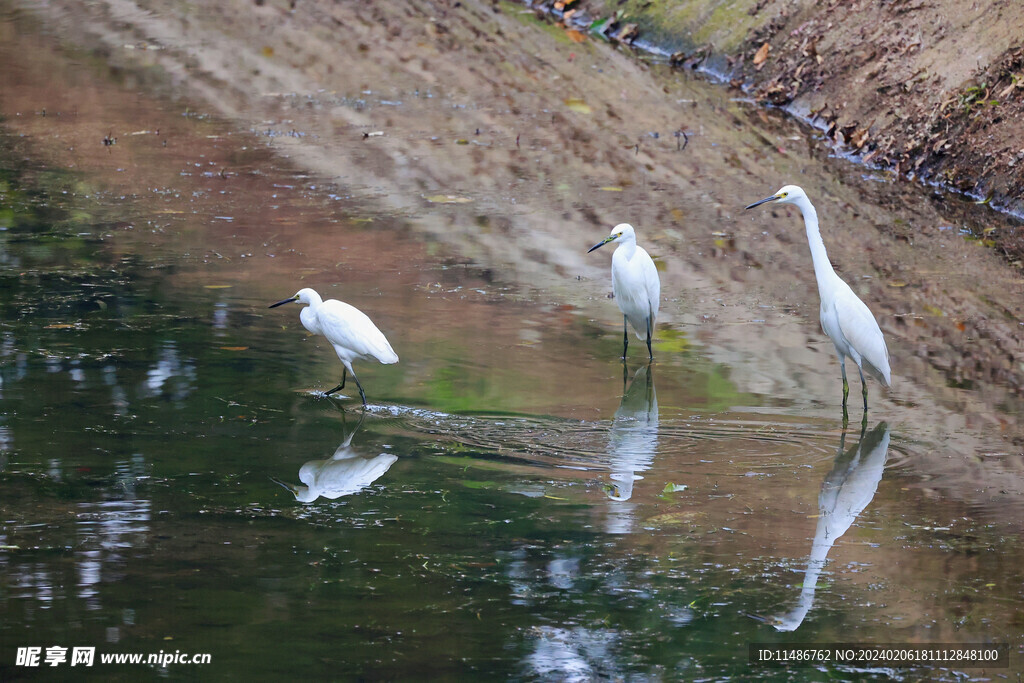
{"points": [[514, 502]]}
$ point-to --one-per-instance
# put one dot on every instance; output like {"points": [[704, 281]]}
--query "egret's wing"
{"points": [[862, 333], [652, 283], [347, 327]]}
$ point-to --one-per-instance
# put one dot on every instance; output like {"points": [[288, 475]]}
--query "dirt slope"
{"points": [[932, 91]]}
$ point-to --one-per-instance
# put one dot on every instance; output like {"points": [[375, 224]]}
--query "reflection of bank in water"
{"points": [[632, 444], [344, 473], [846, 491]]}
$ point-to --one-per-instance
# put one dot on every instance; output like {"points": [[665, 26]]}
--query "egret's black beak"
{"points": [[292, 489], [764, 201], [603, 242], [284, 301]]}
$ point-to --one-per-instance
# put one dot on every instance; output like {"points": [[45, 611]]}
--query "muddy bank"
{"points": [[932, 92]]}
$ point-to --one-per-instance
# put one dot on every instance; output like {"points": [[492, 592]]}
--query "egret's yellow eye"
{"points": [[784, 194], [619, 235]]}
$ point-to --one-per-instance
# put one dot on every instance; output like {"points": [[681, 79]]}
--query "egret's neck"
{"points": [[308, 315], [628, 248], [823, 271], [315, 300]]}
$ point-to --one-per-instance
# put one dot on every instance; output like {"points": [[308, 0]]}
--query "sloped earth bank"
{"points": [[517, 144], [927, 91]]}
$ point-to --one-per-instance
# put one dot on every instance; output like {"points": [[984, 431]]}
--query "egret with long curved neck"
{"points": [[352, 334], [844, 317]]}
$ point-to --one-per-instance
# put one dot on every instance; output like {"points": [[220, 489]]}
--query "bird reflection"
{"points": [[344, 473], [632, 444], [846, 491]]}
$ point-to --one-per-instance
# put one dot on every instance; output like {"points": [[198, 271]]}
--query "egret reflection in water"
{"points": [[846, 491], [632, 444], [343, 474]]}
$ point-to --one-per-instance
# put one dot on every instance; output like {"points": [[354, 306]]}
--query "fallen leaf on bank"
{"points": [[859, 138], [610, 188], [216, 286], [447, 199], [762, 54], [575, 36], [577, 105]]}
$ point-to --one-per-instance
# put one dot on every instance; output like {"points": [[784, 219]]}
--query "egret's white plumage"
{"points": [[352, 334], [844, 317], [635, 284]]}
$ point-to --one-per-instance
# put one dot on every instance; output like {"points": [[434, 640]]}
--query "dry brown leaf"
{"points": [[762, 54], [575, 36]]}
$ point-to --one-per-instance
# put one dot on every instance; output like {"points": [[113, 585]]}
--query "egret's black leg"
{"points": [[625, 337], [650, 354], [625, 378], [864, 388], [340, 386], [362, 394]]}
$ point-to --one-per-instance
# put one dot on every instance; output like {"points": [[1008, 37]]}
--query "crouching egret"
{"points": [[350, 332], [844, 317], [635, 284]]}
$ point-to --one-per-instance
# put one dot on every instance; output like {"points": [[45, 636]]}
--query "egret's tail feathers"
{"points": [[384, 353], [883, 375], [639, 326]]}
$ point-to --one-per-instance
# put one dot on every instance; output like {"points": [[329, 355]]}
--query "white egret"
{"points": [[350, 332], [844, 317], [635, 284]]}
